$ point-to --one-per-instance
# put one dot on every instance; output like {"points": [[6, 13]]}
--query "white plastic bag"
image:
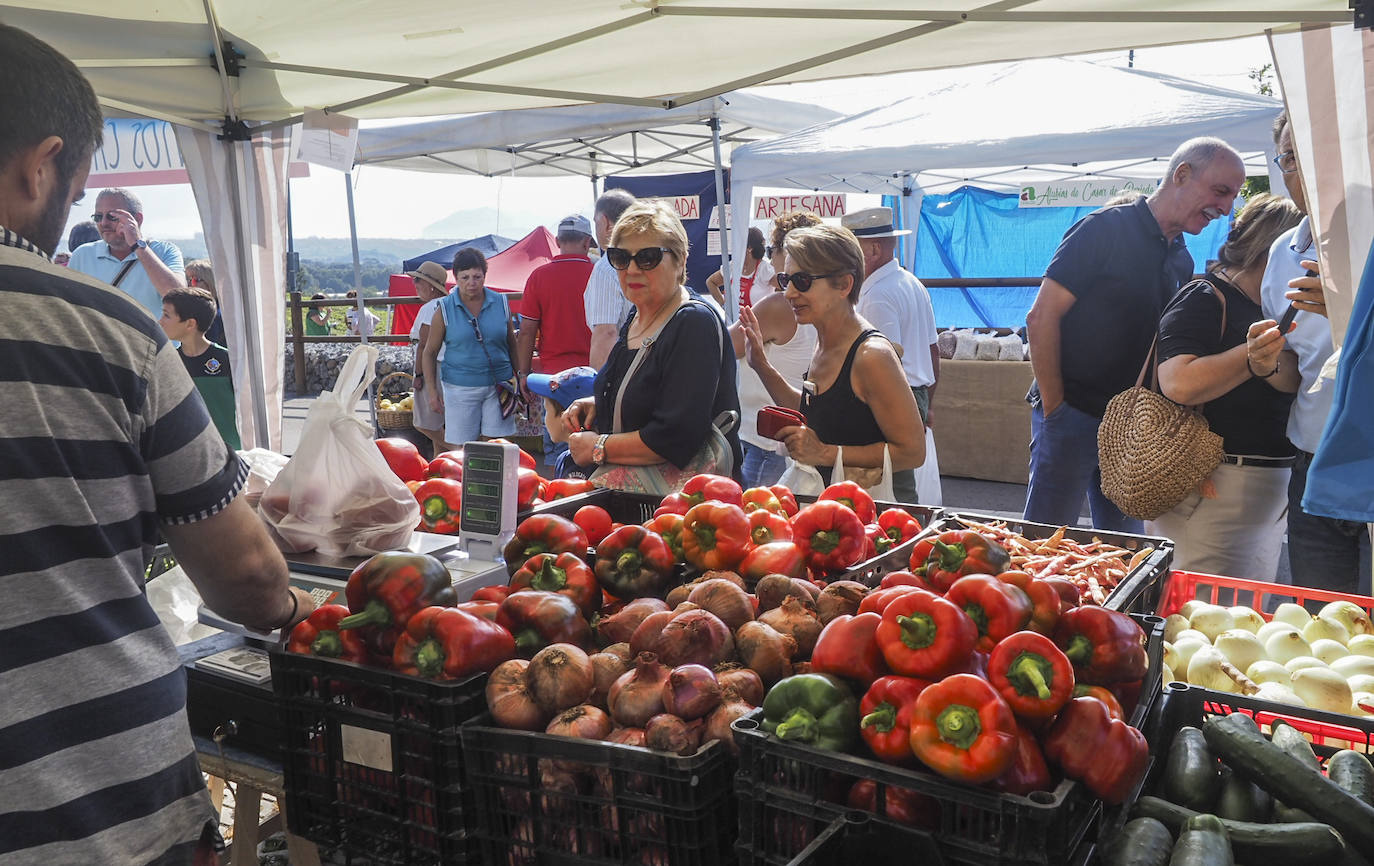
{"points": [[337, 494], [882, 490], [802, 479], [928, 489]]}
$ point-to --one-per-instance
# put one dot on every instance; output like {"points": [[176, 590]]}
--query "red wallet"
{"points": [[771, 419]]}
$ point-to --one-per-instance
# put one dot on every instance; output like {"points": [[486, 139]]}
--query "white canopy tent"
{"points": [[1005, 124], [241, 69]]}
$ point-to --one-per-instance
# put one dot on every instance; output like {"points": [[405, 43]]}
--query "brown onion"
{"points": [[732, 707], [584, 721], [743, 680], [620, 625], [769, 653], [678, 594], [607, 667], [638, 695], [840, 598], [732, 576], [560, 676], [627, 736], [696, 637], [646, 635], [729, 602], [509, 699], [773, 588], [793, 619], [668, 733], [622, 650], [690, 692]]}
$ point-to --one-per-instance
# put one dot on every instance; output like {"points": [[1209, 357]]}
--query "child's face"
{"points": [[175, 327], [553, 414]]}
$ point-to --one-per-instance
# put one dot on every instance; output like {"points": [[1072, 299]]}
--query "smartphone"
{"points": [[1291, 312]]}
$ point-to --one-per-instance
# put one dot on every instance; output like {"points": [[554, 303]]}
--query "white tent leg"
{"points": [[732, 299], [253, 334]]}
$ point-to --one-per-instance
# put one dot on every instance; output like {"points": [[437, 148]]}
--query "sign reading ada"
{"points": [[1081, 193], [767, 207], [688, 207]]}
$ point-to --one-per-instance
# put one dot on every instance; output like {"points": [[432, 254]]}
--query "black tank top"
{"points": [[838, 416]]}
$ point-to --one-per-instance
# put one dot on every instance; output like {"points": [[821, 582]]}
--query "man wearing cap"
{"points": [[552, 312], [431, 285], [895, 302], [559, 390], [604, 304]]}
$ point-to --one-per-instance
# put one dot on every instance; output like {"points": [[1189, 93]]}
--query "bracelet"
{"points": [[1251, 368], [295, 608]]}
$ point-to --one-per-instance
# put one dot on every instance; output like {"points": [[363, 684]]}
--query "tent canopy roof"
{"points": [[385, 58]]}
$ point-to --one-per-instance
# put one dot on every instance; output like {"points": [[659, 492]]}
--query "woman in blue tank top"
{"points": [[855, 393]]}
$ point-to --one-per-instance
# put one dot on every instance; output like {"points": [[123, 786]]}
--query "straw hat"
{"points": [[434, 274]]}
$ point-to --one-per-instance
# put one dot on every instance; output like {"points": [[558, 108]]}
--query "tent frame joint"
{"points": [[233, 58], [235, 130]]}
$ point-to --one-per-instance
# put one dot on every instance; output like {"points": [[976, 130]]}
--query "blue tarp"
{"points": [[490, 245], [974, 232], [702, 184]]}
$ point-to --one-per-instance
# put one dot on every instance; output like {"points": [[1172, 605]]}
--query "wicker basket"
{"points": [[1153, 453], [394, 419]]}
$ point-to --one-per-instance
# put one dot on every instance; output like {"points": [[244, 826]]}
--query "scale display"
{"points": [[490, 478]]}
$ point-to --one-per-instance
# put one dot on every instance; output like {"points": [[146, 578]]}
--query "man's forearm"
{"points": [[524, 346], [603, 340], [163, 278], [1045, 361]]}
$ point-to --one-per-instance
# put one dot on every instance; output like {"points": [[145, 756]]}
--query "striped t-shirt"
{"points": [[102, 437]]}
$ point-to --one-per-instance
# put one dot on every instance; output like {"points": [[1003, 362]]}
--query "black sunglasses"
{"points": [[802, 282], [646, 259], [101, 217]]}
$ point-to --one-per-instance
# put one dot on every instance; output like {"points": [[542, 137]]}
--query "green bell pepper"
{"points": [[813, 709]]}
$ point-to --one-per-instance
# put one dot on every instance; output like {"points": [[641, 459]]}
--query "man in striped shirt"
{"points": [[104, 442]]}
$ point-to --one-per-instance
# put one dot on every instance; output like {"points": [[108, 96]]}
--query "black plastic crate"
{"points": [[623, 507], [870, 571], [372, 761], [790, 794], [541, 798], [1137, 592]]}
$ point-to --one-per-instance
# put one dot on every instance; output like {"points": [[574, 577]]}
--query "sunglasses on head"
{"points": [[646, 259], [802, 282], [101, 217]]}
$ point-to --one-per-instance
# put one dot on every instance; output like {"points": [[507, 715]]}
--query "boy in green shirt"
{"points": [[186, 316]]}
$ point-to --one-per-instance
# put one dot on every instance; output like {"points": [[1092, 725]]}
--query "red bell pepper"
{"points": [[761, 497], [633, 562], [1045, 601], [526, 458], [851, 494], [906, 578], [1105, 646], [449, 464], [1103, 694], [669, 526], [963, 730], [848, 647], [674, 503], [1069, 595], [319, 635], [899, 524], [560, 488], [875, 542], [526, 488], [951, 555], [998, 609], [885, 717], [902, 805], [1028, 772], [403, 458], [563, 573], [775, 557], [484, 609], [537, 619], [766, 527], [1031, 674], [924, 635], [712, 488], [878, 600], [385, 591], [444, 643], [1106, 754], [715, 535], [441, 505], [493, 593], [595, 521], [785, 499], [543, 533], [830, 535]]}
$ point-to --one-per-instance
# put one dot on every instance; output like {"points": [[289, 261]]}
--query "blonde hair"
{"points": [[793, 219], [832, 250], [655, 217], [1263, 219], [200, 271]]}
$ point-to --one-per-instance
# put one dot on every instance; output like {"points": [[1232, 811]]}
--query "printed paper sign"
{"points": [[715, 217], [327, 139], [713, 243], [1081, 193], [688, 207], [767, 207]]}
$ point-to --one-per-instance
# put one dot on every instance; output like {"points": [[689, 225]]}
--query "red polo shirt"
{"points": [[553, 296]]}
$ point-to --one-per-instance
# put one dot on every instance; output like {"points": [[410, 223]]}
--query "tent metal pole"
{"points": [[731, 291], [358, 287]]}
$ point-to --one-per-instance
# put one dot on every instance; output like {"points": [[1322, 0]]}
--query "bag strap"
{"points": [[124, 271], [1153, 367], [617, 425]]}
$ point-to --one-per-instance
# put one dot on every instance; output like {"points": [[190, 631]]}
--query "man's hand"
{"points": [[1308, 294], [129, 231]]}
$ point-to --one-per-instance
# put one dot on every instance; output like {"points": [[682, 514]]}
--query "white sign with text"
{"points": [[767, 207], [688, 207], [1081, 193]]}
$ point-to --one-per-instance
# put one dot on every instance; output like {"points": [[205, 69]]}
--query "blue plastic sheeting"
{"points": [[700, 183], [490, 245], [974, 232]]}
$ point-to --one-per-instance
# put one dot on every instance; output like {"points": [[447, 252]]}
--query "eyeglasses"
{"points": [[101, 217], [646, 259], [802, 282], [1287, 162]]}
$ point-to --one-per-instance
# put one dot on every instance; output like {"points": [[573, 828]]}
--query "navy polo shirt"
{"points": [[1123, 271]]}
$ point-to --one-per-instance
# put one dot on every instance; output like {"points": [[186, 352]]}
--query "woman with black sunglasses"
{"points": [[671, 373], [855, 393]]}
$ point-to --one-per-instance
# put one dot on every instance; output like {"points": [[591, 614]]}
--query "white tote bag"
{"points": [[928, 489], [804, 480]]}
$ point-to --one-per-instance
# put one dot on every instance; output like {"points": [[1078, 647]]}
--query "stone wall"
{"points": [[323, 361]]}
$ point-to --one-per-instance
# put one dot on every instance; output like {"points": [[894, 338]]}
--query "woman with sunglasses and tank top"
{"points": [[671, 373], [473, 325], [855, 393]]}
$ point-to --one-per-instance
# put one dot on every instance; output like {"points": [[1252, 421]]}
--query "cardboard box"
{"points": [[982, 420]]}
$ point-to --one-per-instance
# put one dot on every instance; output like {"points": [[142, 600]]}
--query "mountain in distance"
{"points": [[387, 251], [478, 221]]}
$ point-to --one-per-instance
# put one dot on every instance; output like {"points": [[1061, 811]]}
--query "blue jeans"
{"points": [[1324, 552], [1063, 469], [761, 467]]}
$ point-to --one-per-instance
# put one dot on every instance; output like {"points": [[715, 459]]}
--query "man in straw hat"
{"points": [[896, 303]]}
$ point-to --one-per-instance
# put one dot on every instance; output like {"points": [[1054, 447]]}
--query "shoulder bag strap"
{"points": [[124, 271]]}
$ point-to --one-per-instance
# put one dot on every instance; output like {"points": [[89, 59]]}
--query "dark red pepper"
{"points": [[446, 643], [1105, 646], [902, 805], [1106, 754], [878, 600], [563, 573], [885, 717], [785, 499], [924, 635], [830, 535], [385, 591], [951, 555], [712, 488], [1046, 604], [1028, 771], [848, 647], [668, 525], [543, 533], [441, 505], [319, 635], [537, 619], [633, 562], [906, 578], [775, 557], [560, 488], [674, 503], [767, 526], [761, 497], [998, 609]]}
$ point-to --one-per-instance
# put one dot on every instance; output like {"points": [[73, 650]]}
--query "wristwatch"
{"points": [[140, 244], [599, 449]]}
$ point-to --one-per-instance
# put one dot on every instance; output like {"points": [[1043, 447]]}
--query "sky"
{"points": [[401, 204]]}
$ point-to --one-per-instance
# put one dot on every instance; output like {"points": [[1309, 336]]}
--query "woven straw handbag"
{"points": [[1153, 452]]}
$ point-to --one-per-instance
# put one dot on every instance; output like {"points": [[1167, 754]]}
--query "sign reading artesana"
{"points": [[767, 207]]}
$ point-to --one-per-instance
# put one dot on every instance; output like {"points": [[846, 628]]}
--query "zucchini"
{"points": [[1264, 844], [1291, 740], [1287, 778], [1202, 843], [1192, 777], [1243, 800], [1353, 772], [1142, 842]]}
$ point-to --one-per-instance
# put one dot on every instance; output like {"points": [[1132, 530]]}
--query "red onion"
{"points": [[606, 669], [638, 695], [627, 736], [718, 723], [620, 625], [726, 600], [690, 692], [839, 598], [509, 699], [766, 651], [622, 650], [560, 676], [646, 635], [668, 733], [743, 680], [695, 637], [792, 618]]}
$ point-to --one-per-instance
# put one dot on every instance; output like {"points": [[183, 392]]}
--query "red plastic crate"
{"points": [[1185, 586]]}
